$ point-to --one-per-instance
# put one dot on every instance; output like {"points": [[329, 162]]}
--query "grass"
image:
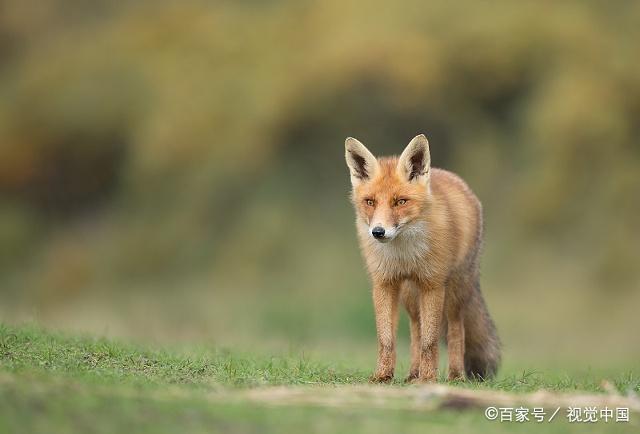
{"points": [[52, 382], [108, 362]]}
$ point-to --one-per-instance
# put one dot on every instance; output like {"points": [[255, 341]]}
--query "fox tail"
{"points": [[482, 346]]}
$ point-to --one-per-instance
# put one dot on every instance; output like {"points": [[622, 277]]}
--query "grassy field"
{"points": [[178, 251], [51, 382]]}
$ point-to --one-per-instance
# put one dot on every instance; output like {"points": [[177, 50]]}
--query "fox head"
{"points": [[390, 194]]}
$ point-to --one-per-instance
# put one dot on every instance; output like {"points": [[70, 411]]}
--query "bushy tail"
{"points": [[482, 345]]}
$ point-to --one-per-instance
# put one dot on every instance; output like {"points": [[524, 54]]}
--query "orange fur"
{"points": [[428, 259]]}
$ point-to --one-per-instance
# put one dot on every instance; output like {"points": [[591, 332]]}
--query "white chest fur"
{"points": [[407, 254]]}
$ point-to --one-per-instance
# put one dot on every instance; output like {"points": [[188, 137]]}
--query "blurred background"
{"points": [[173, 171]]}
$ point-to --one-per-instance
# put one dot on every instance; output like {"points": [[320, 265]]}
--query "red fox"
{"points": [[420, 231]]}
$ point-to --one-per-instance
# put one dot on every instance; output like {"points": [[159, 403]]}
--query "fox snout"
{"points": [[377, 232], [381, 234]]}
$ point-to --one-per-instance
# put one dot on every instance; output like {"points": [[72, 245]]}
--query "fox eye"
{"points": [[369, 202], [401, 201]]}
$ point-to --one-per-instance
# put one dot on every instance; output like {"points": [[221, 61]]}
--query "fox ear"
{"points": [[415, 161], [362, 164]]}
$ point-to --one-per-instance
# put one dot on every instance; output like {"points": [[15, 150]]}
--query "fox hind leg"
{"points": [[455, 341]]}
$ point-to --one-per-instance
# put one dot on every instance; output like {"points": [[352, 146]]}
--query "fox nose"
{"points": [[377, 232]]}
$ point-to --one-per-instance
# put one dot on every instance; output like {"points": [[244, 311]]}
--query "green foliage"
{"points": [[207, 115]]}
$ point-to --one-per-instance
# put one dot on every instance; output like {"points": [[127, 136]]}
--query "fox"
{"points": [[420, 230]]}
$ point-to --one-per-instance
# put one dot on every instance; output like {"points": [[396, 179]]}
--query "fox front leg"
{"points": [[431, 311], [385, 303]]}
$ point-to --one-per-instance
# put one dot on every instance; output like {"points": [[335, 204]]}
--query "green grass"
{"points": [[52, 382], [100, 360]]}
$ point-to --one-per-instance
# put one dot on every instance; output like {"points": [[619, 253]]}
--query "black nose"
{"points": [[377, 232]]}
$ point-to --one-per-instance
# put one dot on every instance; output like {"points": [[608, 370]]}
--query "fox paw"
{"points": [[455, 376], [423, 379], [381, 378], [412, 377]]}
